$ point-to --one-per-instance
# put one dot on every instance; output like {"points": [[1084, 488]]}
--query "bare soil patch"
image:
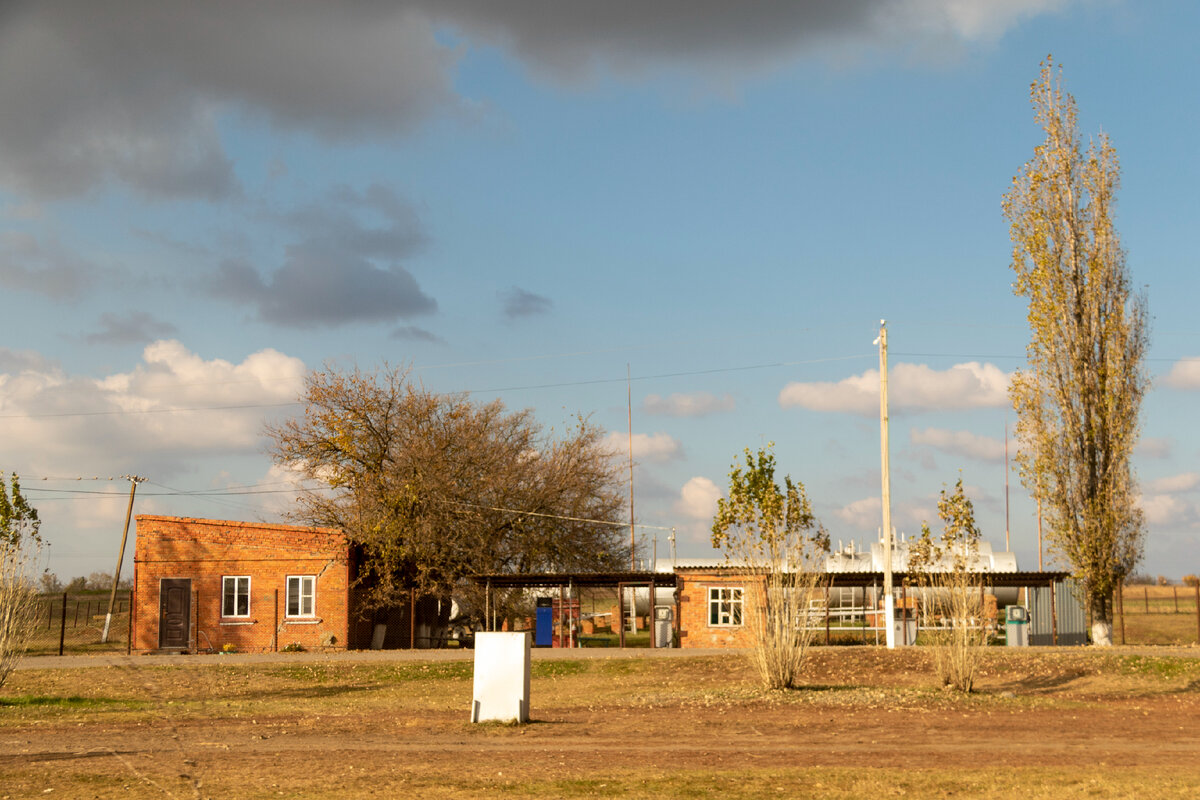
{"points": [[663, 727]]}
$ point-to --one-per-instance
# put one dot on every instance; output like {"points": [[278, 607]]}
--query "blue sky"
{"points": [[524, 200]]}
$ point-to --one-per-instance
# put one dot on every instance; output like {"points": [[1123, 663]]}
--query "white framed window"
{"points": [[235, 596], [724, 606], [301, 595]]}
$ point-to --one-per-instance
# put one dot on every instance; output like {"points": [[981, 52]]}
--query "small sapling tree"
{"points": [[20, 557], [772, 535], [952, 611]]}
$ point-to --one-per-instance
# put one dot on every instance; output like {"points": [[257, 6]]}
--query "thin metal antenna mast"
{"points": [[1007, 545], [632, 538]]}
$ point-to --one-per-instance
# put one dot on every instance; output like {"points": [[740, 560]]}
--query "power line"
{"points": [[553, 516]]}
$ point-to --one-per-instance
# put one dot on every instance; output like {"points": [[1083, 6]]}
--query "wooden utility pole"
{"points": [[1039, 531], [134, 480], [889, 609]]}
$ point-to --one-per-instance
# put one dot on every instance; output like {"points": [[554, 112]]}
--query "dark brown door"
{"points": [[174, 612]]}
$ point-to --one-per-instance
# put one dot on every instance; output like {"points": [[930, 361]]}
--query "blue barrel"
{"points": [[543, 623]]}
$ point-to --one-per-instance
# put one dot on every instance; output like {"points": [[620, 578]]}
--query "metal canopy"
{"points": [[521, 581], [1002, 579], [511, 580]]}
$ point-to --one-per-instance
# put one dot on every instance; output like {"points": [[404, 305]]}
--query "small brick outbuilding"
{"points": [[203, 584]]}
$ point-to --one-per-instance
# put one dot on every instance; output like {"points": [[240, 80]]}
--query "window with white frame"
{"points": [[301, 595], [724, 606], [235, 596]]}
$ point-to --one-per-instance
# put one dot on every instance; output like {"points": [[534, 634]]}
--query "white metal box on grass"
{"points": [[502, 663]]}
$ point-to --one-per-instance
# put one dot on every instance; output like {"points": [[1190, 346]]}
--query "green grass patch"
{"points": [[1159, 666], [73, 702]]}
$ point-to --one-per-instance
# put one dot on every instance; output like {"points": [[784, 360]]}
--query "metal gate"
{"points": [[1067, 614]]}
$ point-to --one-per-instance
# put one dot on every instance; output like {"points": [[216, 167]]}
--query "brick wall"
{"points": [[694, 627], [205, 551]]}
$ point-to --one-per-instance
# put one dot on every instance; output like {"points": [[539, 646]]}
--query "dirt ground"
{"points": [[314, 726]]}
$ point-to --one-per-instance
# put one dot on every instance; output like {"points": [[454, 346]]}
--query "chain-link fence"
{"points": [[74, 623]]}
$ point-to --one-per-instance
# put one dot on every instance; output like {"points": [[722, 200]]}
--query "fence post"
{"points": [[129, 623], [1053, 617], [1146, 597], [827, 601], [1121, 597], [62, 627], [1198, 612]]}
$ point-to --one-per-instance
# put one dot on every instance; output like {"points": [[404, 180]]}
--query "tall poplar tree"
{"points": [[1079, 397]]}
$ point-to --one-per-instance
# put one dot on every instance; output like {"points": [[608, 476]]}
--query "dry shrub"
{"points": [[18, 600], [952, 606], [952, 616], [771, 536], [20, 557], [778, 618]]}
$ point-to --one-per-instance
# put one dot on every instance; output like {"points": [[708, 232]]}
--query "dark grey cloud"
{"points": [[719, 39], [520, 303], [169, 242], [374, 223], [14, 361], [135, 327], [132, 90], [44, 267], [344, 268], [412, 333]]}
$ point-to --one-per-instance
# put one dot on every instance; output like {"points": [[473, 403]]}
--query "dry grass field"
{"points": [[1159, 615], [1045, 723]]}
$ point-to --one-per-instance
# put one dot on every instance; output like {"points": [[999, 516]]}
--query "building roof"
{"points": [[514, 580]]}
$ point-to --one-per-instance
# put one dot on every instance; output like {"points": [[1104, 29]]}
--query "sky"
{"points": [[701, 210]]}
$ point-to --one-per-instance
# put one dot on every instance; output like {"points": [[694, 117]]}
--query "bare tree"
{"points": [[948, 570], [20, 558], [434, 487], [772, 535], [1079, 398]]}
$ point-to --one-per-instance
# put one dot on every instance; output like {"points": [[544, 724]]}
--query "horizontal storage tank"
{"points": [[851, 558]]}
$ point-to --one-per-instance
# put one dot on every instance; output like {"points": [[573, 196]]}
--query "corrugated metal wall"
{"points": [[1068, 607]]}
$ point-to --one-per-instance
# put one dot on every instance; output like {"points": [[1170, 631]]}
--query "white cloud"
{"points": [[169, 408], [1174, 484], [285, 482], [863, 513], [867, 514], [911, 387], [698, 499], [1184, 374], [960, 443], [1167, 510], [657, 447], [697, 404], [1154, 447]]}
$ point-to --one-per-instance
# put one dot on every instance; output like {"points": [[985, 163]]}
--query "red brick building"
{"points": [[712, 607], [203, 584]]}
